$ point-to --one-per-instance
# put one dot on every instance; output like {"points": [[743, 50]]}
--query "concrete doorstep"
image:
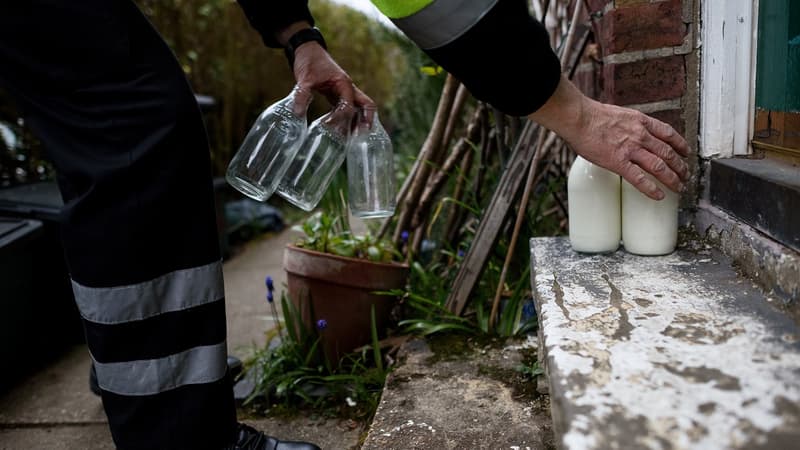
{"points": [[672, 352]]}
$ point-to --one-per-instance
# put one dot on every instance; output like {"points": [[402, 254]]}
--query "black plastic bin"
{"points": [[59, 319], [23, 338]]}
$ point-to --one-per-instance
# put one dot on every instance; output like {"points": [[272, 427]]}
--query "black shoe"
{"points": [[248, 438], [234, 368]]}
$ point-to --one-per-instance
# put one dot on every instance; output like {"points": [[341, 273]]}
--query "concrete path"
{"points": [[55, 410], [458, 394]]}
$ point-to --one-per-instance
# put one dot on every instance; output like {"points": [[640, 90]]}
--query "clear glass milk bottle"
{"points": [[270, 146], [319, 157], [649, 227], [370, 168], [594, 208]]}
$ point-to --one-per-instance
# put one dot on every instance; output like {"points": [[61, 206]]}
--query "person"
{"points": [[117, 117], [503, 56]]}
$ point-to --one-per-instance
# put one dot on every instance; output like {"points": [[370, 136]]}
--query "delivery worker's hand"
{"points": [[315, 69], [621, 140]]}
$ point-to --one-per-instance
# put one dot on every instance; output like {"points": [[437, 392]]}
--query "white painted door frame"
{"points": [[727, 89]]}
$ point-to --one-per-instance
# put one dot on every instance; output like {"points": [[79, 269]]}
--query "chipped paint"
{"points": [[665, 352]]}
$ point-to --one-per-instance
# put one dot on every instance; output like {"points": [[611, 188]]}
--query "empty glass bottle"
{"points": [[319, 157], [270, 146], [370, 168]]}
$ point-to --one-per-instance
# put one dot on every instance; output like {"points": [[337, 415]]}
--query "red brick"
{"points": [[642, 27], [672, 117], [644, 81], [626, 3]]}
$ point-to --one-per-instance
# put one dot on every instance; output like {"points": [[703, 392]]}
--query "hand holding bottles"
{"points": [[282, 153]]}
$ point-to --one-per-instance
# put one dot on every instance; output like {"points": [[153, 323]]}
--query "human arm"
{"points": [[622, 140], [505, 59]]}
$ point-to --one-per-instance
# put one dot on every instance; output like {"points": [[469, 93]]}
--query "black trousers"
{"points": [[118, 119]]}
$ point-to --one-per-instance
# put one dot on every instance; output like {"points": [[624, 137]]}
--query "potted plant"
{"points": [[336, 278]]}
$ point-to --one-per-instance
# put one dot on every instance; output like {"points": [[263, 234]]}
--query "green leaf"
{"points": [[431, 70], [288, 310], [426, 327], [376, 350], [373, 254]]}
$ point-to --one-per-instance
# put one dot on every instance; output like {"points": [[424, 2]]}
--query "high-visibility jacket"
{"points": [[494, 47], [435, 23]]}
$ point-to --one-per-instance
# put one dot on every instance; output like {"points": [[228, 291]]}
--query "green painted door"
{"points": [[778, 74], [778, 69]]}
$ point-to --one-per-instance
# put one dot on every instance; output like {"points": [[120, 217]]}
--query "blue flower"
{"points": [[460, 253], [404, 236], [529, 310], [270, 298], [270, 286], [322, 324]]}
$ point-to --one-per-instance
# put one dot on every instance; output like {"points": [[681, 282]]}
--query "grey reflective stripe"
{"points": [[443, 21], [151, 376], [174, 291]]}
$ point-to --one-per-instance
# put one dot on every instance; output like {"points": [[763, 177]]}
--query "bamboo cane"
{"points": [[429, 148], [413, 173], [456, 213], [455, 113], [439, 178]]}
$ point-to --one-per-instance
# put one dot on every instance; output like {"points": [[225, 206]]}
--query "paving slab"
{"points": [[58, 394], [249, 315], [469, 399], [62, 437], [671, 352]]}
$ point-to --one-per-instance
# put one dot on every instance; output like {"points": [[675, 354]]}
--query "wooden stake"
{"points": [[491, 221], [541, 150]]}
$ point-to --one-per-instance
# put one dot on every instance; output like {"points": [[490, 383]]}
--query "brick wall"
{"points": [[642, 51], [646, 57]]}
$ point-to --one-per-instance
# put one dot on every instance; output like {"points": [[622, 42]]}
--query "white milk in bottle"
{"points": [[594, 208], [649, 227]]}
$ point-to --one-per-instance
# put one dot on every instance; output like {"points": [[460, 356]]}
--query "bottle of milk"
{"points": [[594, 208], [649, 227]]}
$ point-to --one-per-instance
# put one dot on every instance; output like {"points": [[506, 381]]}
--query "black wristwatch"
{"points": [[300, 38]]}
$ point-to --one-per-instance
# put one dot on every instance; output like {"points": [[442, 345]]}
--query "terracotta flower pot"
{"points": [[341, 291]]}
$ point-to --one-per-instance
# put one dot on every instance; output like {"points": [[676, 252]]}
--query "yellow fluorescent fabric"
{"points": [[397, 9]]}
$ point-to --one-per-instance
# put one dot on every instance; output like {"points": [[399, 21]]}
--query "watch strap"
{"points": [[300, 38]]}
